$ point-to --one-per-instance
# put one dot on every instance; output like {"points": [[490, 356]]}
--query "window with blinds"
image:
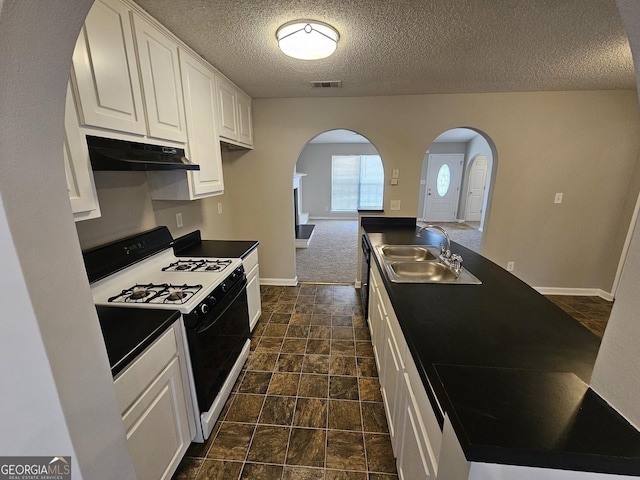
{"points": [[357, 182]]}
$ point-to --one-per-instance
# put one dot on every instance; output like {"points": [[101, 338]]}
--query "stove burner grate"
{"points": [[156, 293], [213, 265]]}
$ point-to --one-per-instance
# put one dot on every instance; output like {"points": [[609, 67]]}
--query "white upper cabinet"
{"points": [[245, 128], [234, 113], [160, 73], [77, 168], [199, 92], [227, 108], [105, 70]]}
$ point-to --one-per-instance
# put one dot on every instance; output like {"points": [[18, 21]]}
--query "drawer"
{"points": [[130, 383], [250, 260]]}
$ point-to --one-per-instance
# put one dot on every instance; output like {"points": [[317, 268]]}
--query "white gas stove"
{"points": [[142, 271], [164, 281]]}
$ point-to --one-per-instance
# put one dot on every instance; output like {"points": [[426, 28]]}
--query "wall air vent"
{"points": [[327, 84]]}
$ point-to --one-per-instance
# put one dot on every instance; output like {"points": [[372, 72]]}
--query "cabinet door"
{"points": [[227, 108], [390, 379], [250, 264], [245, 129], [105, 70], [253, 296], [157, 426], [160, 73], [416, 459], [199, 89], [377, 317], [77, 167]]}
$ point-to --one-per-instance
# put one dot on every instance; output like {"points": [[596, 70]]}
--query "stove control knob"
{"points": [[204, 308], [224, 287], [212, 300]]}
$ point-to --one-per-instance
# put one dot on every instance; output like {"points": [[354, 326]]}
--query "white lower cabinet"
{"points": [[391, 381], [377, 314], [252, 270], [154, 401], [415, 433], [420, 433]]}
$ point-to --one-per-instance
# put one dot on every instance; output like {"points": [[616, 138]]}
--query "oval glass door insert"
{"points": [[443, 180]]}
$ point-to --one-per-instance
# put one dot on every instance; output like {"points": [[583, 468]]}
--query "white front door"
{"points": [[444, 175], [475, 194]]}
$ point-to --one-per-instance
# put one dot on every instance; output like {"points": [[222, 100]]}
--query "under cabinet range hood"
{"points": [[123, 155]]}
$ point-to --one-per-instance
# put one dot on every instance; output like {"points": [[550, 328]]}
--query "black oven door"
{"points": [[216, 342]]}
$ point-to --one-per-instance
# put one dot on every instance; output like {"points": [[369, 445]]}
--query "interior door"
{"points": [[444, 175], [475, 194]]}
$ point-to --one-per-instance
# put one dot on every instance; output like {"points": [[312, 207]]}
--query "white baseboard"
{"points": [[578, 292], [303, 242], [333, 218], [282, 282]]}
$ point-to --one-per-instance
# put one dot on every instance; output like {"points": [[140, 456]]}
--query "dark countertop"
{"points": [[191, 245], [128, 331], [479, 345]]}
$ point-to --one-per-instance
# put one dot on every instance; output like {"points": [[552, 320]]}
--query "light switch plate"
{"points": [[395, 173], [394, 181], [219, 208], [558, 198], [179, 220]]}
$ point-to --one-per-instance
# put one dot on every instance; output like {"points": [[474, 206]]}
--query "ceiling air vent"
{"points": [[327, 84]]}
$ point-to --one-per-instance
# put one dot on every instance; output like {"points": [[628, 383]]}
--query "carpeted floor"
{"points": [[461, 233], [332, 256]]}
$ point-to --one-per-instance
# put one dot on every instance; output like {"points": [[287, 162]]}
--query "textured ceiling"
{"points": [[411, 46]]}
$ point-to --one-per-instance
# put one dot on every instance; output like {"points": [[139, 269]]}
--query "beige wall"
{"points": [[584, 144]]}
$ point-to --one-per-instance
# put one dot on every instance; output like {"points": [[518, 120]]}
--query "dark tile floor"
{"points": [[307, 405], [592, 312]]}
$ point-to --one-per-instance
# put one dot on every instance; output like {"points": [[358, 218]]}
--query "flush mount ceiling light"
{"points": [[307, 39]]}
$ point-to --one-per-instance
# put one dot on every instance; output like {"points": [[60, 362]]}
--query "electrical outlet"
{"points": [[179, 220], [219, 208], [558, 198], [510, 266], [395, 205], [394, 181]]}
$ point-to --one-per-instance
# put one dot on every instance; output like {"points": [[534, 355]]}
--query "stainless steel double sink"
{"points": [[421, 264]]}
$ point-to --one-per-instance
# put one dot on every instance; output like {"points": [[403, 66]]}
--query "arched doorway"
{"points": [[456, 184], [337, 173]]}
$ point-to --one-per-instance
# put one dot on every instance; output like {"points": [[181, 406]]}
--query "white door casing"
{"points": [[444, 175], [476, 189]]}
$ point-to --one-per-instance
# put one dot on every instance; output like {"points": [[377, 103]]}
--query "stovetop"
{"points": [[163, 281]]}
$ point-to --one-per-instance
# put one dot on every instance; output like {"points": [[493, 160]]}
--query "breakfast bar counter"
{"points": [[508, 367]]}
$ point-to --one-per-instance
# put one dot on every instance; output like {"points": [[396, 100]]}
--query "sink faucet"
{"points": [[444, 251], [454, 262]]}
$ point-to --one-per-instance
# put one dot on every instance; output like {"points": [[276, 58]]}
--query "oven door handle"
{"points": [[208, 325]]}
